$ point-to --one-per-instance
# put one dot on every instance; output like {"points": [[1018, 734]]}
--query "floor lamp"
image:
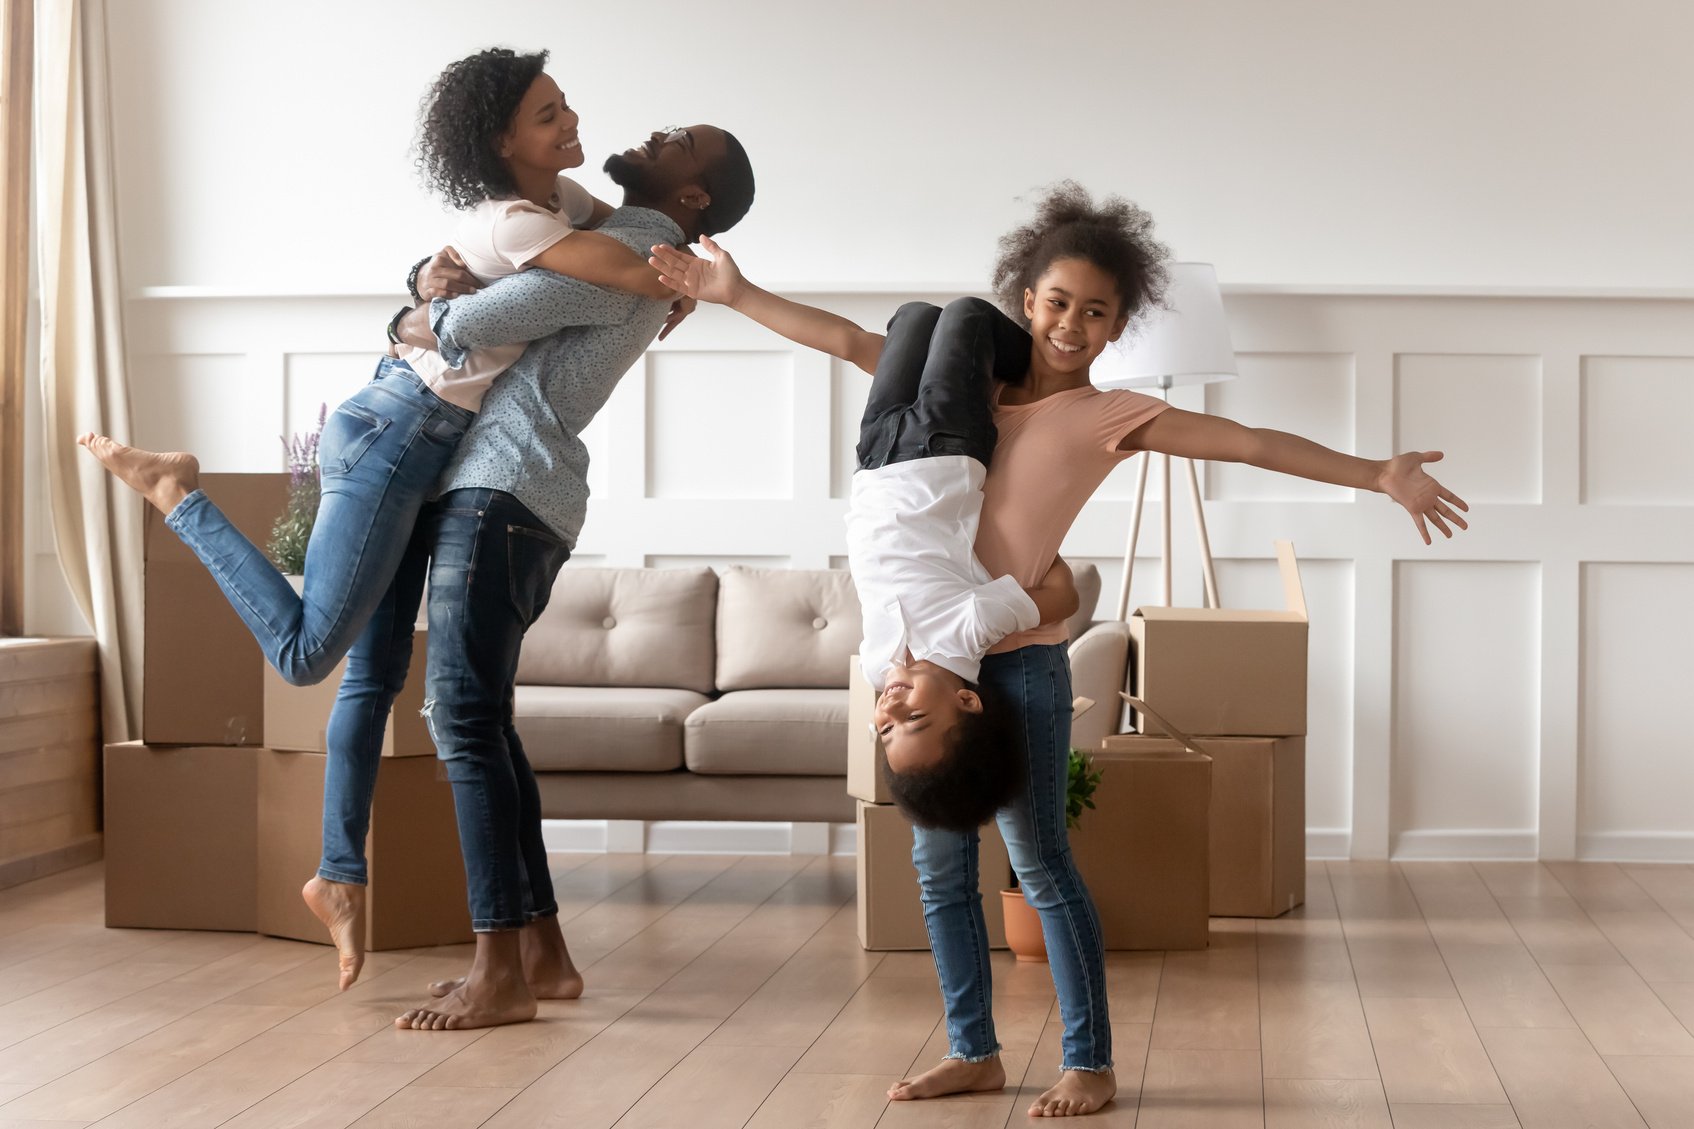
{"points": [[1185, 343]]}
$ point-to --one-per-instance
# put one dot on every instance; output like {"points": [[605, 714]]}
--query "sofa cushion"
{"points": [[784, 732], [625, 627], [781, 628], [603, 729], [1088, 597]]}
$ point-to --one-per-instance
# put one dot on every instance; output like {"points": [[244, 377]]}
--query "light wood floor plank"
{"points": [[1209, 999], [333, 1095], [438, 1107], [879, 1031], [1518, 879], [1557, 931], [1304, 1103], [1502, 986], [1600, 885], [798, 1002], [513, 1057], [1557, 1081], [1661, 1088], [1315, 1030], [1428, 1051], [722, 1087], [1679, 998], [1454, 1116], [1132, 985], [1672, 887], [1202, 1090], [1651, 941], [1618, 1012], [1292, 948], [824, 1101]]}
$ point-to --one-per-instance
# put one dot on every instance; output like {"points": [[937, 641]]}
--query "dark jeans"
{"points": [[491, 568], [930, 395]]}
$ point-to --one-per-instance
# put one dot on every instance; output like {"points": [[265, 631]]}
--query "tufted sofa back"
{"points": [[782, 628], [625, 627]]}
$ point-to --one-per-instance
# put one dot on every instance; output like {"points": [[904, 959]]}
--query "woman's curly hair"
{"points": [[464, 112], [1114, 235]]}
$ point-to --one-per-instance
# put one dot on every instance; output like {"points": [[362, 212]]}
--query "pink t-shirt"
{"points": [[1050, 456]]}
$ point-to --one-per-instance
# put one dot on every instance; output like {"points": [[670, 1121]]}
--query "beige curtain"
{"points": [[96, 520]]}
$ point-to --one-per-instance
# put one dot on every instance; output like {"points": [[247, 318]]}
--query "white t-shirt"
{"points": [[496, 238], [911, 531]]}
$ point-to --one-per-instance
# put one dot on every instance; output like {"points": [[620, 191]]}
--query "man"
{"points": [[511, 506]]}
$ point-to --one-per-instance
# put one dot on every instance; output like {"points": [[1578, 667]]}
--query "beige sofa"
{"points": [[677, 694]]}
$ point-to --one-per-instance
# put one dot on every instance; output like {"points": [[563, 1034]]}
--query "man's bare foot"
{"points": [[494, 992], [547, 965], [163, 479], [952, 1076], [1075, 1093], [341, 907]]}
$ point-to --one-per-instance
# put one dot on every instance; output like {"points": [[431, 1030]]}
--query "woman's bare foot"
{"points": [[1075, 1093], [547, 966], [163, 479], [341, 907], [494, 993], [952, 1076]]}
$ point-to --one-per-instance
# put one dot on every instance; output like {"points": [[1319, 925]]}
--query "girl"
{"points": [[495, 135], [1075, 276]]}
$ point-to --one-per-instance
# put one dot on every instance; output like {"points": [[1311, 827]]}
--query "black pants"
{"points": [[930, 395]]}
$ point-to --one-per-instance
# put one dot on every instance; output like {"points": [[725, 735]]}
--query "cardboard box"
{"points": [[1258, 822], [181, 848], [865, 755], [202, 681], [890, 908], [1225, 671], [416, 895], [295, 716], [1143, 850]]}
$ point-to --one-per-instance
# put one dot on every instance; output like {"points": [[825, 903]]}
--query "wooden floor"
{"points": [[731, 992]]}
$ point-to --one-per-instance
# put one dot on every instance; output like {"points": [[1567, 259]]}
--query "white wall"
{"points": [[1444, 142], [1514, 692]]}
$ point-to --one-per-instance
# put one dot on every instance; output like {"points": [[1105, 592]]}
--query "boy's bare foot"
{"points": [[163, 479], [341, 907], [547, 965], [952, 1076], [1075, 1093]]}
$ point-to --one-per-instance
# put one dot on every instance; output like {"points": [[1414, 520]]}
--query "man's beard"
{"points": [[634, 179]]}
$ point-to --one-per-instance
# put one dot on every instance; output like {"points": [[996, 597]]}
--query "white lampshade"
{"points": [[1187, 343]]}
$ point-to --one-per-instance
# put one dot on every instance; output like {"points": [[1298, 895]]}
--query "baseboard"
{"points": [[1636, 846], [1328, 842], [678, 837], [27, 869], [1465, 845]]}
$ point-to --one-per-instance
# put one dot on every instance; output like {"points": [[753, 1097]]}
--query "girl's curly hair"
{"points": [[464, 112], [1114, 235]]}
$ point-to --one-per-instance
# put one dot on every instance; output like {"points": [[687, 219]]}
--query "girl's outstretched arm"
{"points": [[718, 279], [1194, 435]]}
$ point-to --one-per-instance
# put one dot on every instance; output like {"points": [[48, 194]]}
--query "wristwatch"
{"points": [[412, 277], [394, 325]]}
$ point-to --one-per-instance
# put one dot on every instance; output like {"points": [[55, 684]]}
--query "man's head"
{"points": [[951, 759], [698, 175]]}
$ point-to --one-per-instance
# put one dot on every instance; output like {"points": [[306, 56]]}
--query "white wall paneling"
{"points": [[1511, 692]]}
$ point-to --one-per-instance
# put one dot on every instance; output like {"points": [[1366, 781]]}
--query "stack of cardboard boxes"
{"points": [[213, 819]]}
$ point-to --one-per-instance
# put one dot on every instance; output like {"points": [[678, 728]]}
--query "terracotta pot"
{"points": [[1023, 927]]}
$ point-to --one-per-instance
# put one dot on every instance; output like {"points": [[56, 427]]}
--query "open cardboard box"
{"points": [[1257, 837], [296, 716], [1226, 671], [202, 680]]}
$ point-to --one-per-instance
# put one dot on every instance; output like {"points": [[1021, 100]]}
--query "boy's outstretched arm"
{"points": [[718, 279], [1194, 435]]}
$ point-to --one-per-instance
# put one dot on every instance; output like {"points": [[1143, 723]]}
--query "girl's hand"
{"points": [[715, 279], [680, 309], [446, 276], [1404, 479]]}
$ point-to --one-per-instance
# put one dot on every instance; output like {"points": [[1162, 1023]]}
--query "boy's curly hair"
{"points": [[978, 775], [1114, 235], [464, 112]]}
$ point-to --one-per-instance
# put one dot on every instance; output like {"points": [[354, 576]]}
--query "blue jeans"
{"points": [[382, 453], [1036, 682], [491, 566]]}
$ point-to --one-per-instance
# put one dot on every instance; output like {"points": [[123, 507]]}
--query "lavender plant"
{"points": [[293, 529]]}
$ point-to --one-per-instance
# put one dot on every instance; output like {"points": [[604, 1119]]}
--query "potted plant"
{"points": [[1023, 923], [292, 531]]}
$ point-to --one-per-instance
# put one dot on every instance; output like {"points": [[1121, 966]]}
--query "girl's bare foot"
{"points": [[482, 1002], [547, 966], [952, 1076], [163, 479], [1075, 1093], [341, 907]]}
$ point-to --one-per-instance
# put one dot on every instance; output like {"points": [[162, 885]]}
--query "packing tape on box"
{"points": [[1171, 731]]}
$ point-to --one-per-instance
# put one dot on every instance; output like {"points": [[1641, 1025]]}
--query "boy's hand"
{"points": [[680, 309], [446, 276], [1404, 479], [715, 279]]}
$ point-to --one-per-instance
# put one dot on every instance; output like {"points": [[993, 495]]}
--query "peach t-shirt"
{"points": [[1051, 455]]}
